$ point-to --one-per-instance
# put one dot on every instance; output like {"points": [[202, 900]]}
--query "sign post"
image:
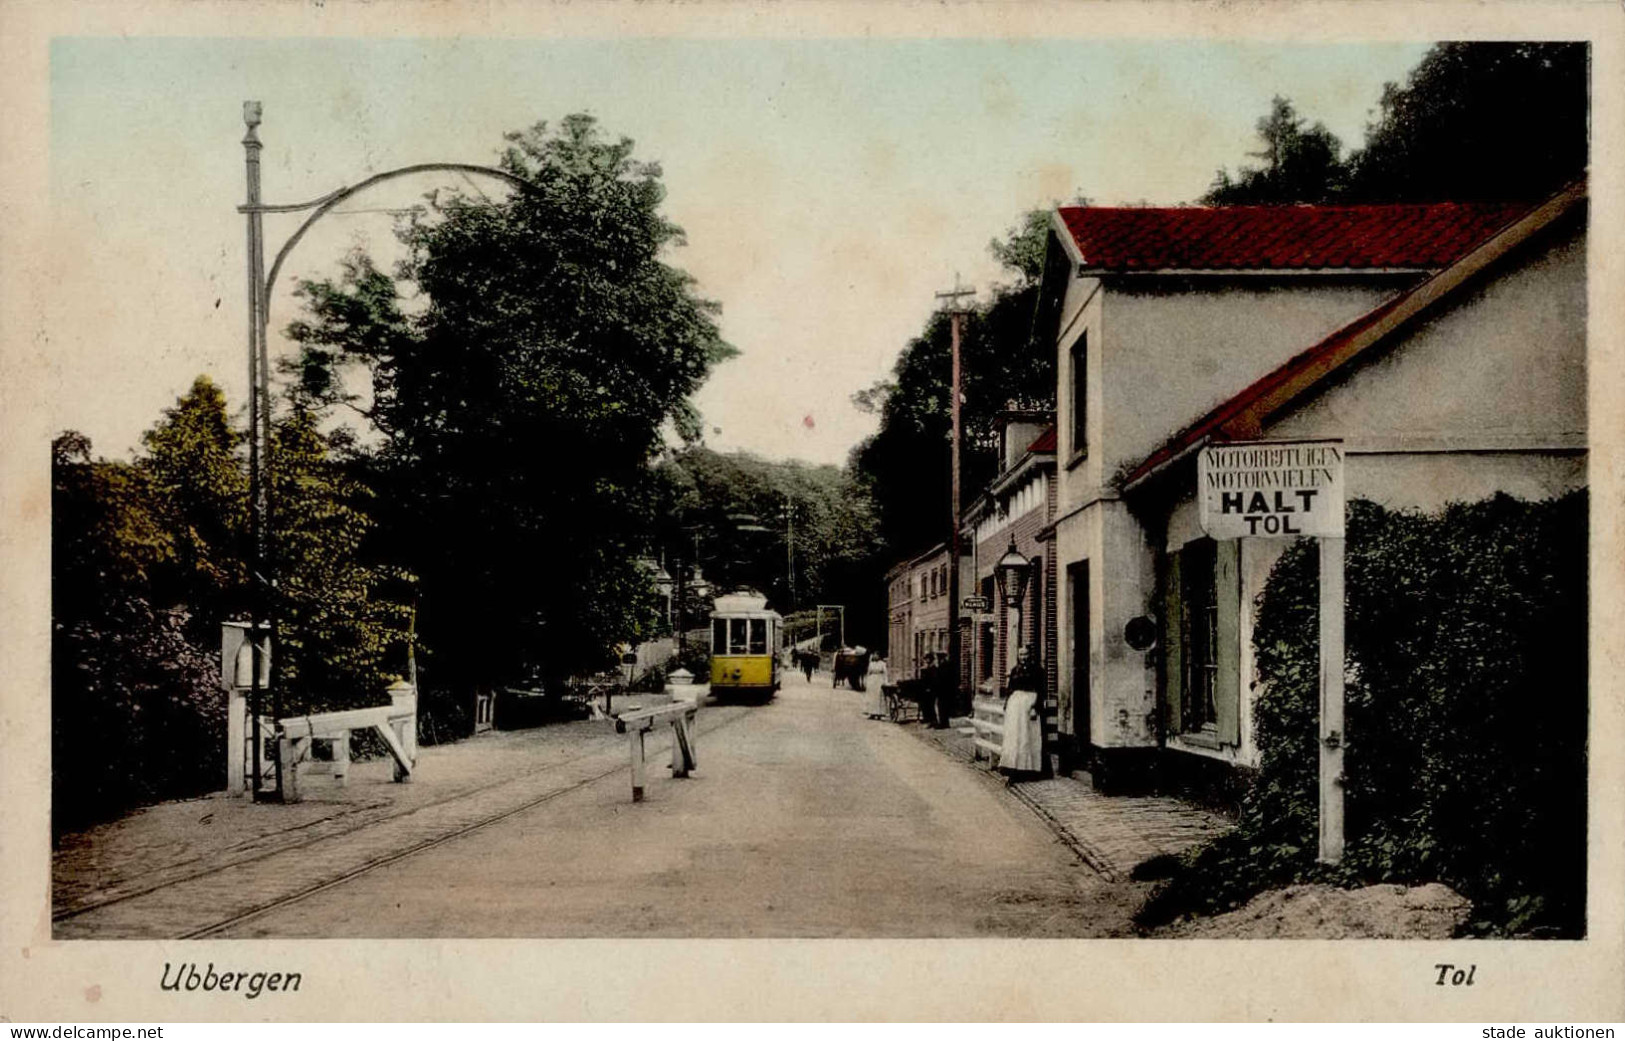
{"points": [[1287, 489]]}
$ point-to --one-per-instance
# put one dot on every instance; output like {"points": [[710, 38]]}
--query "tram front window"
{"points": [[758, 636], [719, 636], [736, 636]]}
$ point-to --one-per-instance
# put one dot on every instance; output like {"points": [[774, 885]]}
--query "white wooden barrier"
{"points": [[681, 715], [395, 724], [987, 719]]}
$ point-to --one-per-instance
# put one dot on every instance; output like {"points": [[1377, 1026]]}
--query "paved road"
{"points": [[804, 819]]}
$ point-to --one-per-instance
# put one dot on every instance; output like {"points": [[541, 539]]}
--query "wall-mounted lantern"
{"points": [[1011, 571]]}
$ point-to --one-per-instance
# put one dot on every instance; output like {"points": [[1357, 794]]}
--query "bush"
{"points": [[1466, 719], [138, 715]]}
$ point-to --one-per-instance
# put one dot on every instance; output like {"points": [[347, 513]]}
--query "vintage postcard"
{"points": [[831, 512]]}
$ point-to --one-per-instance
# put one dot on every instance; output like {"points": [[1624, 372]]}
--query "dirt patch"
{"points": [[1388, 912]]}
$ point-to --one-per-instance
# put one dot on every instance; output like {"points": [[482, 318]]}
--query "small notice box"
{"points": [[1271, 489]]}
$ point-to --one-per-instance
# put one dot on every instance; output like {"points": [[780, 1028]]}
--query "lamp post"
{"points": [[664, 584], [262, 569], [1011, 574], [259, 501]]}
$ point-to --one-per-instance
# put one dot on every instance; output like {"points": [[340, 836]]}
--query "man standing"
{"points": [[944, 691]]}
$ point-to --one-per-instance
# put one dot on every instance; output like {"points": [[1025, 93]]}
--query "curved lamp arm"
{"points": [[326, 203]]}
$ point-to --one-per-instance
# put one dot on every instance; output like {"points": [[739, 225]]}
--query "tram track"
{"points": [[80, 908], [217, 873]]}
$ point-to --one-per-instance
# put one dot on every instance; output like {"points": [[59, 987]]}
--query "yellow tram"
{"points": [[744, 646]]}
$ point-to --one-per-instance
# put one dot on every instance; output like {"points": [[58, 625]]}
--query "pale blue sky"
{"points": [[828, 187]]}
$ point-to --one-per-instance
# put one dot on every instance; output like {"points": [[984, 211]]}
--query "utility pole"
{"points": [[790, 550], [956, 317]]}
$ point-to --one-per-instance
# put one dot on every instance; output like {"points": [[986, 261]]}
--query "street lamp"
{"points": [[262, 604], [1011, 572]]}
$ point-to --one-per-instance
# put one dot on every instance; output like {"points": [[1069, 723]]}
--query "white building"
{"points": [[1444, 344]]}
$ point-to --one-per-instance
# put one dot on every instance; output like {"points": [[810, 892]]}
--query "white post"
{"points": [[289, 752], [237, 750], [403, 698], [1331, 700], [341, 758]]}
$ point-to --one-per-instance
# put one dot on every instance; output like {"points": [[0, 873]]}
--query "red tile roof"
{"points": [[1233, 238], [1242, 416], [1045, 442]]}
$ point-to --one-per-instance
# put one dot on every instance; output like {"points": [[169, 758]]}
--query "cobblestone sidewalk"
{"points": [[1111, 833]]}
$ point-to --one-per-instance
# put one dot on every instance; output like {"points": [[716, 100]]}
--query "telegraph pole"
{"points": [[956, 317], [790, 551]]}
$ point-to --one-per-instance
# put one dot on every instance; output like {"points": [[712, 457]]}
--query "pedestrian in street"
{"points": [[928, 683], [877, 682], [944, 692]]}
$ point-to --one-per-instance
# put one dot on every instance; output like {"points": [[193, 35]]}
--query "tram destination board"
{"points": [[1271, 489]]}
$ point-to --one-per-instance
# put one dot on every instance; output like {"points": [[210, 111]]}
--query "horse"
{"points": [[852, 665]]}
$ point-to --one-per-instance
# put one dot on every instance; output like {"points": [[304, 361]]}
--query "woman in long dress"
{"points": [[1023, 751], [876, 683]]}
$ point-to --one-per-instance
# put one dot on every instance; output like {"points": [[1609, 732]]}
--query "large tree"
{"points": [[1474, 121], [200, 493], [343, 617], [906, 462], [798, 533], [520, 407], [1300, 163], [1479, 122]]}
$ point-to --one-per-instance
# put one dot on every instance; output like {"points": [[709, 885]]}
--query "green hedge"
{"points": [[137, 715], [1466, 719]]}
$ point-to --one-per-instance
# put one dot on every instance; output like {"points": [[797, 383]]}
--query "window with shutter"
{"points": [[1199, 637], [1227, 634], [1173, 643]]}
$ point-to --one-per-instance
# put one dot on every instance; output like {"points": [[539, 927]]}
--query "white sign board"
{"points": [[1271, 489]]}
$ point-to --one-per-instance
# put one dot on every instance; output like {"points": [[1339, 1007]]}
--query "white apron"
{"points": [[1023, 741]]}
